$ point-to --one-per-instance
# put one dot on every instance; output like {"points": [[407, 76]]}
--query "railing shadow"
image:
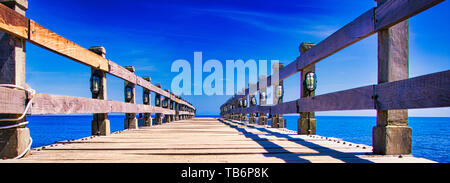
{"points": [[281, 153]]}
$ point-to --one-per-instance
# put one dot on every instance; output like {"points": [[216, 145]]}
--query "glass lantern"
{"points": [[128, 93], [95, 84], [310, 81], [146, 97], [158, 101], [253, 101], [279, 91]]}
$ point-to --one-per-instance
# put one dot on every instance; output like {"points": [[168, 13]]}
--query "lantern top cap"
{"points": [[21, 3], [305, 46], [99, 50], [147, 78], [130, 68]]}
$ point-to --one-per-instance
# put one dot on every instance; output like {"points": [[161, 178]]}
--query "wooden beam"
{"points": [[285, 108], [12, 101], [353, 99], [49, 40], [394, 11], [432, 90], [387, 15], [13, 23], [20, 26], [358, 29], [428, 91]]}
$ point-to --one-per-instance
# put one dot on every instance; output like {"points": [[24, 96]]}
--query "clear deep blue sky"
{"points": [[150, 35]]}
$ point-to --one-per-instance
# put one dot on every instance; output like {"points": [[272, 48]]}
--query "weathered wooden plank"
{"points": [[206, 140], [13, 102], [285, 108], [49, 40], [358, 29], [121, 72], [353, 99], [389, 14], [58, 104], [13, 23], [395, 11], [432, 90], [288, 70]]}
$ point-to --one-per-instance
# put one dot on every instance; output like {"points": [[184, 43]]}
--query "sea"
{"points": [[430, 135]]}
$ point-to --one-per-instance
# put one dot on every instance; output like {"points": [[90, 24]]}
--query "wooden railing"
{"points": [[14, 101], [393, 94]]}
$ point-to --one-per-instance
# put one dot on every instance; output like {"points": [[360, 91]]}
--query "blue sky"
{"points": [[150, 35]]}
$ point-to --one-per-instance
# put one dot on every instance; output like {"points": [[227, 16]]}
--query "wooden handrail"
{"points": [[20, 26], [372, 21], [365, 25]]}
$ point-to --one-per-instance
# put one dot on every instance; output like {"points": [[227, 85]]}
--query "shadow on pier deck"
{"points": [[207, 140]]}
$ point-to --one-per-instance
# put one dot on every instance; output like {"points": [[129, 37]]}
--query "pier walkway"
{"points": [[209, 140], [242, 133]]}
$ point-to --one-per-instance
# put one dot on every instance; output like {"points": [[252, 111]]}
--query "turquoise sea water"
{"points": [[431, 135]]}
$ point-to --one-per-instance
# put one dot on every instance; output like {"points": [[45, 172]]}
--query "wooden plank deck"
{"points": [[208, 140]]}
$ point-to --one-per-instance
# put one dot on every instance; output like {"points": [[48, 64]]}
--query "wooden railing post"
{"points": [[244, 105], [277, 119], [252, 102], [176, 106], [100, 124], [165, 104], [158, 117], [262, 119], [392, 135], [171, 105], [147, 120], [13, 141], [306, 124], [130, 97]]}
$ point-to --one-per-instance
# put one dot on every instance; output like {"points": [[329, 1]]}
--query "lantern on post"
{"points": [[96, 84], [310, 83], [146, 97], [158, 100], [128, 93], [244, 102], [279, 91], [165, 103], [253, 101], [262, 96]]}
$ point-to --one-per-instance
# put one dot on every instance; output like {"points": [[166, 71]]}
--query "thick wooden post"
{"points": [[306, 124], [100, 124], [176, 105], [277, 119], [262, 119], [392, 134], [130, 97], [244, 105], [251, 99], [158, 119], [147, 120], [171, 105], [13, 141], [165, 102]]}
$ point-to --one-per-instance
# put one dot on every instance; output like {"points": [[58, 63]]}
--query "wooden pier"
{"points": [[209, 140], [241, 134]]}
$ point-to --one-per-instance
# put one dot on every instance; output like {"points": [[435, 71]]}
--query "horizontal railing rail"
{"points": [[391, 97], [20, 26]]}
